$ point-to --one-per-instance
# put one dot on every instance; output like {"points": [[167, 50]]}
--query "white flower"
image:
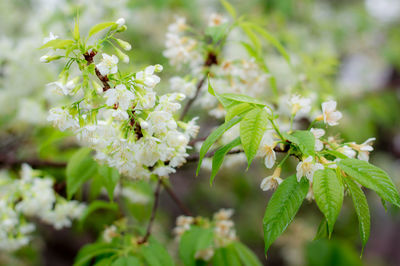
{"points": [[147, 78], [192, 129], [266, 149], [120, 97], [216, 20], [62, 119], [318, 133], [346, 150], [109, 233], [307, 168], [299, 105], [108, 64], [50, 38], [363, 149], [223, 214], [120, 22], [181, 85], [204, 254], [330, 115], [60, 87], [272, 181]]}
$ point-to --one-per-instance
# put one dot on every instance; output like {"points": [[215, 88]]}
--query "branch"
{"points": [[191, 101], [175, 198], [104, 79], [153, 213], [11, 161]]}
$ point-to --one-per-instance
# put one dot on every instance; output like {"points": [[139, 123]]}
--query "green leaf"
{"points": [[110, 178], [242, 98], [282, 208], [226, 256], [76, 30], [252, 129], [217, 32], [304, 139], [247, 257], [80, 168], [229, 8], [155, 254], [272, 40], [219, 156], [236, 110], [96, 205], [323, 230], [253, 38], [126, 261], [335, 153], [57, 44], [99, 27], [90, 251], [213, 137], [328, 193], [194, 240], [361, 206], [371, 177]]}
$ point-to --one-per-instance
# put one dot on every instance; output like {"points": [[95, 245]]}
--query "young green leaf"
{"points": [[96, 205], [90, 251], [126, 261], [213, 137], [110, 177], [76, 30], [282, 207], [219, 156], [229, 8], [99, 27], [328, 193], [247, 257], [236, 110], [155, 254], [241, 98], [252, 129], [304, 139], [371, 177], [80, 168], [57, 44], [253, 38], [361, 206], [194, 240], [226, 256], [323, 230]]}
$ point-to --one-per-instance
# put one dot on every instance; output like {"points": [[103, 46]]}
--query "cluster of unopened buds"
{"points": [[31, 196], [223, 230], [124, 121]]}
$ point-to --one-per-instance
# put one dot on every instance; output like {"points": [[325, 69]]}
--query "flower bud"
{"points": [[125, 45], [49, 58], [121, 55], [120, 22], [158, 68]]}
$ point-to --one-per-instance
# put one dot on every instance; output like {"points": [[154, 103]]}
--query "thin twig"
{"points": [[191, 101], [175, 198], [10, 161], [104, 79], [153, 213]]}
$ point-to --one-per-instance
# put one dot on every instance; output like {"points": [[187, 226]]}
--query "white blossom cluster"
{"points": [[128, 125], [31, 196], [223, 229]]}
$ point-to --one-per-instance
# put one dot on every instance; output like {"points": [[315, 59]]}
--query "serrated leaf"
{"points": [[252, 129], [194, 240], [155, 254], [99, 27], [229, 8], [96, 205], [110, 178], [236, 110], [361, 206], [213, 137], [328, 193], [219, 156], [371, 177], [80, 168], [304, 139], [335, 153], [57, 44], [126, 261], [247, 257], [282, 208]]}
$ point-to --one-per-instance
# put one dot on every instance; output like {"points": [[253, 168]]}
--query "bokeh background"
{"points": [[351, 48]]}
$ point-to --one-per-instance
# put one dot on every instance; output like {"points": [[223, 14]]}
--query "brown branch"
{"points": [[104, 79], [175, 198], [191, 101], [153, 213]]}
